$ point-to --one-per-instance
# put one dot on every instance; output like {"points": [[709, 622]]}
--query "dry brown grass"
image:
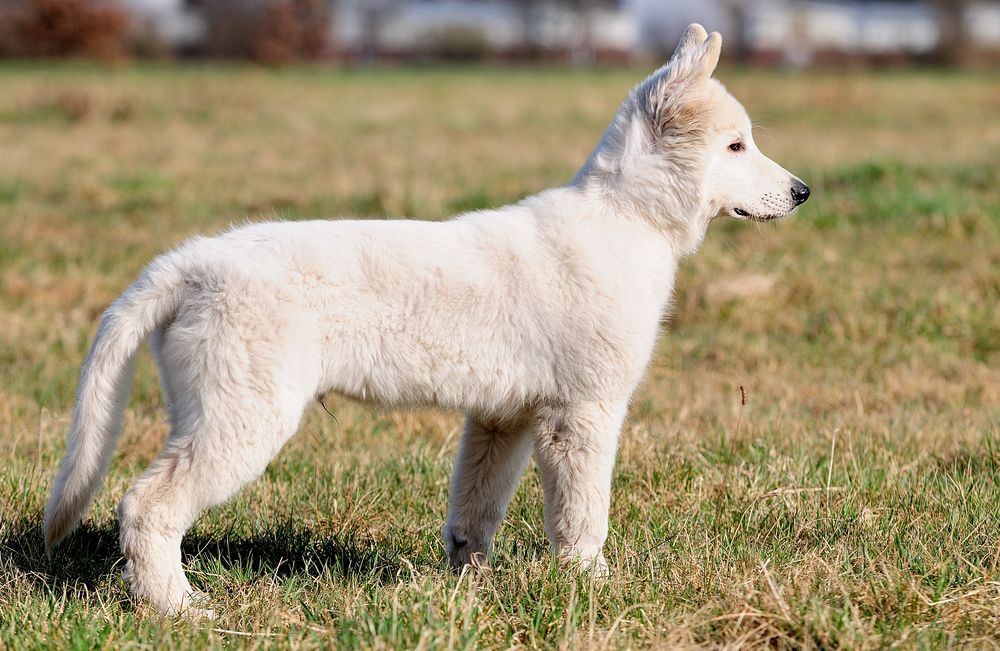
{"points": [[851, 502]]}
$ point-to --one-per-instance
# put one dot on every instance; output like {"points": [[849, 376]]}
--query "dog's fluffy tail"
{"points": [[103, 390]]}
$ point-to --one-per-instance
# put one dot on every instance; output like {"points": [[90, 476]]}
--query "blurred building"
{"points": [[796, 32], [802, 32], [505, 28], [180, 24]]}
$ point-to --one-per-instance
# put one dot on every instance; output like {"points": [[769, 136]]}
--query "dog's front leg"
{"points": [[491, 459], [575, 448]]}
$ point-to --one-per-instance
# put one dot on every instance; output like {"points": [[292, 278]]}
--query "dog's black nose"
{"points": [[800, 192]]}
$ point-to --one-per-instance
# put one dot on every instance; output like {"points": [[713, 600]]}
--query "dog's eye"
{"points": [[736, 146]]}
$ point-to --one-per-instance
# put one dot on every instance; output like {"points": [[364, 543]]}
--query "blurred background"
{"points": [[794, 33]]}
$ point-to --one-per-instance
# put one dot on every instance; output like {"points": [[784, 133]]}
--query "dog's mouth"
{"points": [[743, 213], [749, 216]]}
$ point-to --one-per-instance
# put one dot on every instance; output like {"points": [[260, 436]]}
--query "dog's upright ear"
{"points": [[692, 37], [680, 85], [697, 54]]}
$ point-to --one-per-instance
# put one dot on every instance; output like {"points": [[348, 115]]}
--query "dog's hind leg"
{"points": [[156, 347], [202, 464], [153, 517], [231, 413], [491, 459], [575, 449]]}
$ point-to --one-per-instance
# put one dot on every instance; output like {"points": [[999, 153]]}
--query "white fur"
{"points": [[536, 319]]}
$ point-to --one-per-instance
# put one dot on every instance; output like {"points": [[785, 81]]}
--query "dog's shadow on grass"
{"points": [[91, 555], [79, 565]]}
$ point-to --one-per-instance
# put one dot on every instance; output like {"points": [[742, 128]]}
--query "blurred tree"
{"points": [[737, 43], [526, 10], [953, 47], [583, 52], [292, 29], [270, 31], [55, 28], [373, 16]]}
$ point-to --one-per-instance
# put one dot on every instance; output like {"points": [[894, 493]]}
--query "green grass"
{"points": [[852, 502]]}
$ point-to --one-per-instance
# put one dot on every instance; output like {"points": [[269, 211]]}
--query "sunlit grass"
{"points": [[851, 500]]}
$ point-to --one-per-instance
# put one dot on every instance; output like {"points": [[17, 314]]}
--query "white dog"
{"points": [[537, 320]]}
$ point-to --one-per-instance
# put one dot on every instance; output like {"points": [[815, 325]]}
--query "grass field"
{"points": [[853, 501]]}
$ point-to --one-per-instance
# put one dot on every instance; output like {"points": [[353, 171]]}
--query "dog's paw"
{"points": [[197, 614], [462, 551], [588, 565], [193, 608], [596, 567]]}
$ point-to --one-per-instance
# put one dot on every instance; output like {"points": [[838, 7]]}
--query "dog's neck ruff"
{"points": [[634, 177]]}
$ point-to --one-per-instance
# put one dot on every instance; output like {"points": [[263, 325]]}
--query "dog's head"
{"points": [[738, 178], [681, 149]]}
